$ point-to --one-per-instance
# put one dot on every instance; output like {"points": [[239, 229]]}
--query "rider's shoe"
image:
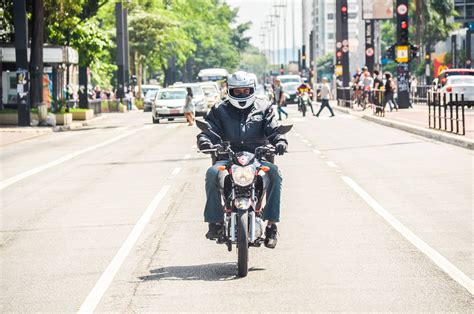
{"points": [[215, 229], [271, 236]]}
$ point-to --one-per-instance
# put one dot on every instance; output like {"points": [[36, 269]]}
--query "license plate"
{"points": [[174, 111]]}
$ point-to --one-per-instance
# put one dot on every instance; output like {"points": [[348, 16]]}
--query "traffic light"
{"points": [[414, 50], [427, 56], [403, 29], [282, 69], [344, 13], [390, 53]]}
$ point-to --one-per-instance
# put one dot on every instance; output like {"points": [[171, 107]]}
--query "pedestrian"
{"points": [[189, 107], [378, 83], [389, 92], [413, 89], [97, 92], [325, 95], [279, 98]]}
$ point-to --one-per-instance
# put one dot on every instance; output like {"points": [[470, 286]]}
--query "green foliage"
{"points": [[252, 60]]}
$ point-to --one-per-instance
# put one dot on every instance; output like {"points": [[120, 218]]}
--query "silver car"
{"points": [[199, 98], [169, 104]]}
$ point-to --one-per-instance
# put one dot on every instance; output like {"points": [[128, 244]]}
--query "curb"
{"points": [[428, 133], [77, 125]]}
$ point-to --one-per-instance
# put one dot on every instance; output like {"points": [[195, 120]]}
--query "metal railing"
{"points": [[446, 112], [420, 95]]}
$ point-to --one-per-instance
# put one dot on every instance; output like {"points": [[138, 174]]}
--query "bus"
{"points": [[214, 75]]}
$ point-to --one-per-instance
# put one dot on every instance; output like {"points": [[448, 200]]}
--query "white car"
{"points": [[460, 85], [169, 104], [290, 78], [212, 93]]}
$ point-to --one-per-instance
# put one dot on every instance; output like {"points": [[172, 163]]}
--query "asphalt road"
{"points": [[109, 218]]}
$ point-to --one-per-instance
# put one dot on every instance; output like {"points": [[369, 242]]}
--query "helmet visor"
{"points": [[241, 92]]}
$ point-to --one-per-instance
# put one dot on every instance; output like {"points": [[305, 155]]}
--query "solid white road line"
{"points": [[331, 164], [26, 174], [176, 171], [454, 272], [105, 280]]}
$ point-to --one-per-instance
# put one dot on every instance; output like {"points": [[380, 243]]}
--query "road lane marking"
{"points": [[305, 141], [316, 151], [7, 182], [187, 156], [454, 272], [331, 164], [175, 171], [105, 280]]}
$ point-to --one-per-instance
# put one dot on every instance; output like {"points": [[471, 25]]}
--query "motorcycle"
{"points": [[303, 103], [243, 183]]}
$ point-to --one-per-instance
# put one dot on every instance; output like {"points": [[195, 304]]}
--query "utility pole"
{"points": [[402, 53], [369, 45], [120, 51], [342, 42], [293, 27], [303, 39], [21, 57], [36, 56]]}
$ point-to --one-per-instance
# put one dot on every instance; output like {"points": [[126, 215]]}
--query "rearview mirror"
{"points": [[203, 125], [283, 129]]}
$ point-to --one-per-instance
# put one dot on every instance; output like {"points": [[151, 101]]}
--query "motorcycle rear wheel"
{"points": [[243, 245]]}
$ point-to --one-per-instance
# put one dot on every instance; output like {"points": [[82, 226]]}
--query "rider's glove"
{"points": [[280, 148], [205, 145]]}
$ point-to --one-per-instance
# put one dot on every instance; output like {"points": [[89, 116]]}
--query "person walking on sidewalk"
{"points": [[325, 95], [389, 92], [279, 98], [189, 107]]}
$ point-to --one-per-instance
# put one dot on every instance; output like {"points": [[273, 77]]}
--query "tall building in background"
{"points": [[324, 19], [465, 10]]}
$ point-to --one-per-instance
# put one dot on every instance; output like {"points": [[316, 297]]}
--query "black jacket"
{"points": [[245, 129]]}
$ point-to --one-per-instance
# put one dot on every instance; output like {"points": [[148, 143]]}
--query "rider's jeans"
{"points": [[214, 210]]}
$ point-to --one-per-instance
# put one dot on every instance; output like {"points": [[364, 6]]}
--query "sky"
{"points": [[257, 12]]}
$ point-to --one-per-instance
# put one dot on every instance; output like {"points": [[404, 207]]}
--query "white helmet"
{"points": [[241, 89]]}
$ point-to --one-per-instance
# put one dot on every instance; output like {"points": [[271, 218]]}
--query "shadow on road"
{"points": [[204, 272]]}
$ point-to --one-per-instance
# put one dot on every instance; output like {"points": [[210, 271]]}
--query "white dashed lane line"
{"points": [[331, 164]]}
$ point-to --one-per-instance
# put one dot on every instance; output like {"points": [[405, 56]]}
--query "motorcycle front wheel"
{"points": [[303, 108], [243, 245]]}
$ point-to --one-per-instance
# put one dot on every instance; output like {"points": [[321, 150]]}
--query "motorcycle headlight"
{"points": [[243, 176]]}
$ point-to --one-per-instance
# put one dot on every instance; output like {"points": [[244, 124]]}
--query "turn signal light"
{"points": [[265, 168], [449, 89], [221, 168]]}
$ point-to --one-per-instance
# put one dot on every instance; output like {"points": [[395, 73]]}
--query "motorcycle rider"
{"points": [[300, 90], [246, 122]]}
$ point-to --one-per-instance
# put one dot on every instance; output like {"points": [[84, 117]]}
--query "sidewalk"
{"points": [[10, 134], [415, 120]]}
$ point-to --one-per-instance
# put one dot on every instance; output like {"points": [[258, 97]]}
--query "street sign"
{"points": [[345, 42], [338, 70], [345, 49], [377, 9], [401, 54], [402, 9], [338, 45], [369, 52]]}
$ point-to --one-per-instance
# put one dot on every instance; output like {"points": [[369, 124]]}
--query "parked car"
{"points": [[290, 92], [199, 98], [460, 85], [169, 103], [149, 98], [290, 78], [212, 93]]}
